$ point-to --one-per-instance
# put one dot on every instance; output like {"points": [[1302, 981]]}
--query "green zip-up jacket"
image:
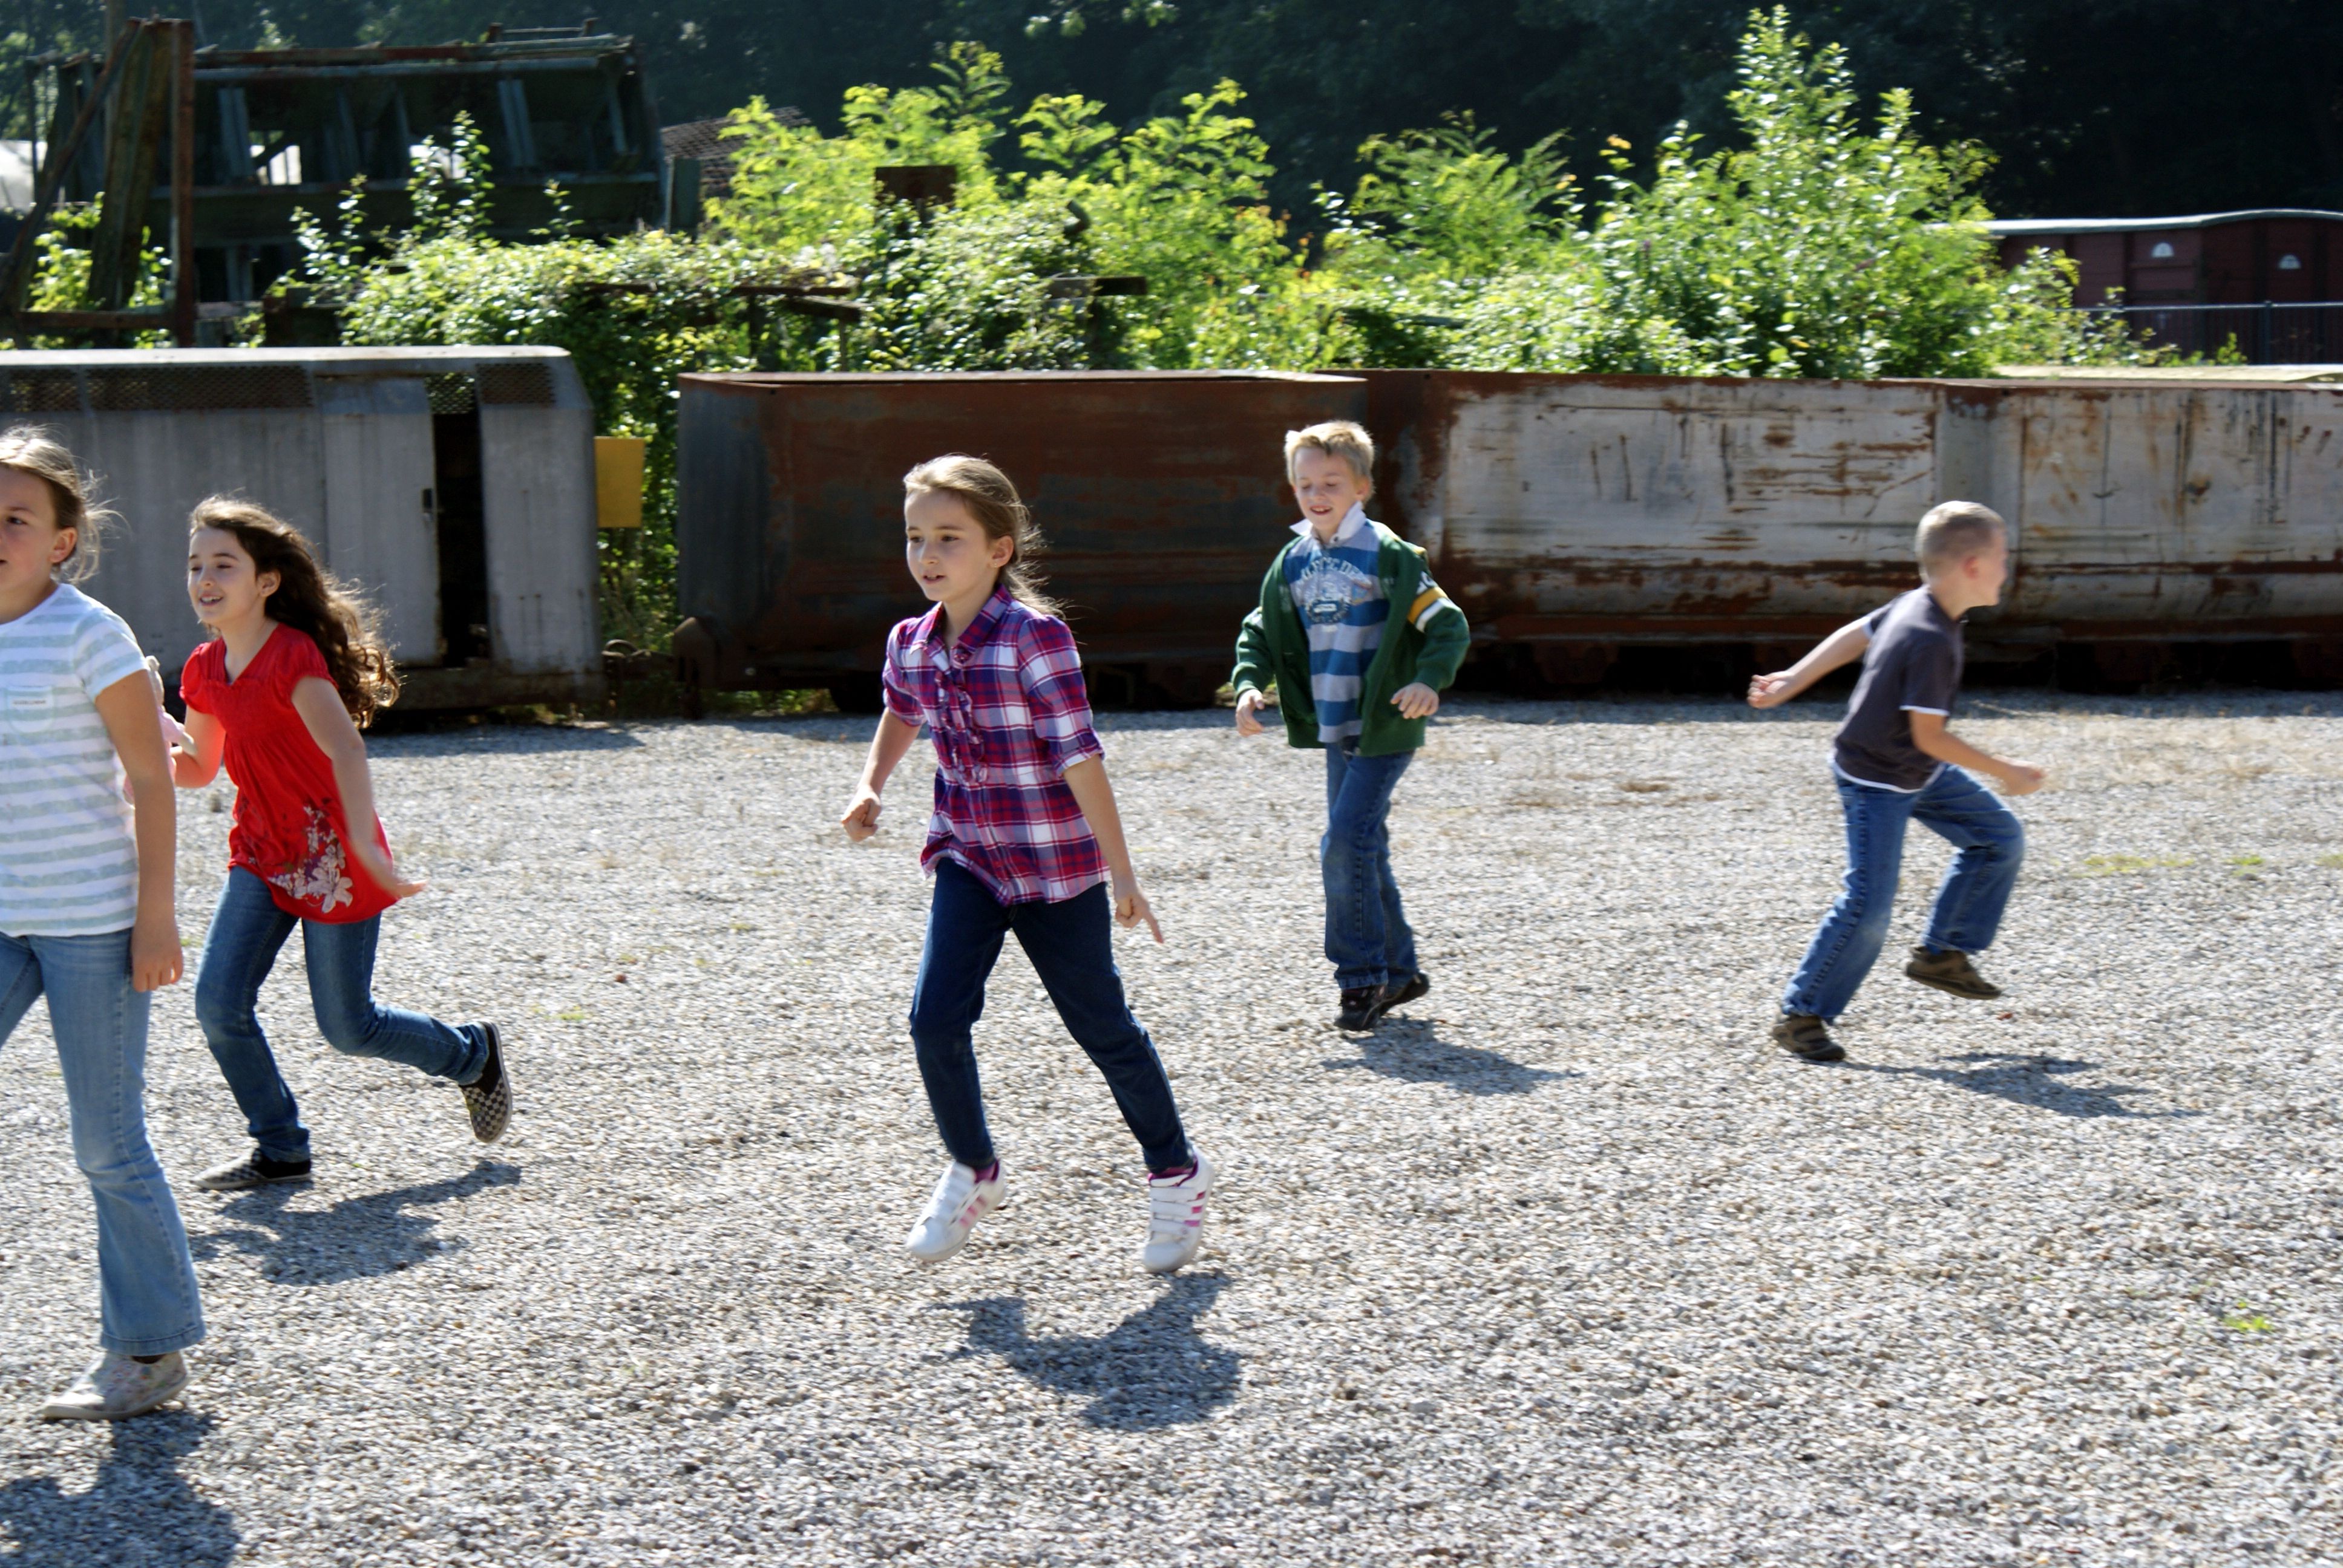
{"points": [[1424, 640]]}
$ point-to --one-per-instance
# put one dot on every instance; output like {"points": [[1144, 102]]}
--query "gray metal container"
{"points": [[454, 487]]}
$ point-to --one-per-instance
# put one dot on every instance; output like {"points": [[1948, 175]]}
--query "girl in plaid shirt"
{"points": [[1025, 838]]}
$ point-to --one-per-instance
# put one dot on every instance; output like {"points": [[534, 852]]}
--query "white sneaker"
{"points": [[115, 1386], [1175, 1218], [959, 1203]]}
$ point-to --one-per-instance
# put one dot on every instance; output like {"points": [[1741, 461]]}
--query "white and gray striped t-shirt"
{"points": [[68, 858]]}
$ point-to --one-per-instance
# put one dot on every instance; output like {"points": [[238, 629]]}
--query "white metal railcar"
{"points": [[454, 486]]}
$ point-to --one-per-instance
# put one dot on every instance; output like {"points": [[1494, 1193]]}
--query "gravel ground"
{"points": [[1562, 1267]]}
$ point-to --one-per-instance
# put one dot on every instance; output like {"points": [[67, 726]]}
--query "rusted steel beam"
{"points": [[183, 183], [93, 321], [246, 75]]}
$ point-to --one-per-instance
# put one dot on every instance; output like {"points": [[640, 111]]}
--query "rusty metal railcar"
{"points": [[1159, 494], [1571, 516], [1575, 514]]}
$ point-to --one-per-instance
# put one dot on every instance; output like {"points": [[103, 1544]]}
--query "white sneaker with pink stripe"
{"points": [[1175, 1216], [958, 1201]]}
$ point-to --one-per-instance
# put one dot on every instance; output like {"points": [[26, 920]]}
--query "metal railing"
{"points": [[2264, 333]]}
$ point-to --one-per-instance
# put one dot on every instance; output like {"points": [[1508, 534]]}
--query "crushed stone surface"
{"points": [[1566, 1264]]}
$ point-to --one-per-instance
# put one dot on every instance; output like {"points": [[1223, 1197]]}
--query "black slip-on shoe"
{"points": [[1951, 972], [1807, 1038], [488, 1098], [253, 1169], [1399, 993], [1361, 1005]]}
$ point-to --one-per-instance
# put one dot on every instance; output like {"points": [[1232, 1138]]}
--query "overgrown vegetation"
{"points": [[1815, 244]]}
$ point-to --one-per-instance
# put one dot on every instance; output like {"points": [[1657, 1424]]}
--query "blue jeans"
{"points": [[1969, 903], [1071, 945], [147, 1300], [247, 930], [1367, 937]]}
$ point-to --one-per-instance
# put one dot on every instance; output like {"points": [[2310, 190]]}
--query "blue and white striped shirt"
{"points": [[68, 859], [1340, 596]]}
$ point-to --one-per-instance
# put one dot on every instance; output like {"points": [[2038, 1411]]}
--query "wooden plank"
{"points": [[134, 138]]}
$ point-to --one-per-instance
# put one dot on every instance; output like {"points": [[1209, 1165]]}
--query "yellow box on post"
{"points": [[619, 481]]}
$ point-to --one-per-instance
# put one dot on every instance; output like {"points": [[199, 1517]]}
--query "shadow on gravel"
{"points": [[1151, 1370], [421, 735], [1412, 1053], [354, 1239], [2030, 1081], [140, 1510]]}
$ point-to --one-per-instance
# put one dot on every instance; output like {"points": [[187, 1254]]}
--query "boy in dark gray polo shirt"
{"points": [[1896, 763]]}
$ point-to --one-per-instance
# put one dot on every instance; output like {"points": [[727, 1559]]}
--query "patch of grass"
{"points": [[573, 1015], [2247, 865], [2131, 864], [2332, 862], [2245, 1321]]}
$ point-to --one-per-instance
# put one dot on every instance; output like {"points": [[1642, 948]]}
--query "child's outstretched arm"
{"points": [[127, 706], [1929, 734], [195, 762], [1843, 646], [1095, 796], [328, 723], [888, 748]]}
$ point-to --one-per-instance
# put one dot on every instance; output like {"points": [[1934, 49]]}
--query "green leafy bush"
{"points": [[1815, 246]]}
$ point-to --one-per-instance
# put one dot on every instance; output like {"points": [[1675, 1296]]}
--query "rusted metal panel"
{"points": [[1162, 496], [1625, 508], [1557, 505]]}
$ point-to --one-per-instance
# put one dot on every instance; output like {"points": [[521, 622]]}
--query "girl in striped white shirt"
{"points": [[85, 908]]}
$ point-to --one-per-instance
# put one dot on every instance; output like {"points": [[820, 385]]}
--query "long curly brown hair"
{"points": [[312, 601]]}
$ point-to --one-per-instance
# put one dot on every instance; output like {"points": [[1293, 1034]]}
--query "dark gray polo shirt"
{"points": [[1913, 666]]}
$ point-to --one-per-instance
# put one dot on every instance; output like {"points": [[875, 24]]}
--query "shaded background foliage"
{"points": [[2094, 107]]}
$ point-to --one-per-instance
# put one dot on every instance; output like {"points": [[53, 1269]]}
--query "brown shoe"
{"points": [[1805, 1037], [1951, 972]]}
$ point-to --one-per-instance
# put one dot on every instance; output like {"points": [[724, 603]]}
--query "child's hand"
{"points": [[861, 819], [2021, 777], [1250, 702], [157, 958], [1769, 690], [369, 855], [1131, 907], [1416, 700]]}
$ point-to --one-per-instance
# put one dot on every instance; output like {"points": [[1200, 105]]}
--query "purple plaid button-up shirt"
{"points": [[1009, 714]]}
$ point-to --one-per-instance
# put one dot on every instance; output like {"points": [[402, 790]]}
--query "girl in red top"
{"points": [[292, 673]]}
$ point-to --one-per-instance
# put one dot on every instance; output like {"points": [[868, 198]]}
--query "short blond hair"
{"points": [[1952, 531], [1337, 438]]}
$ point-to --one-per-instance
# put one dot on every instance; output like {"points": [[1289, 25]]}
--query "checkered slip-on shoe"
{"points": [[488, 1098], [253, 1170]]}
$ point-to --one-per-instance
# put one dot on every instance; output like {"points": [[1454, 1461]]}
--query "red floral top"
{"points": [[288, 829]]}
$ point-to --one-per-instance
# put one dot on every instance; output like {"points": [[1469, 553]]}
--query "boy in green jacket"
{"points": [[1356, 685]]}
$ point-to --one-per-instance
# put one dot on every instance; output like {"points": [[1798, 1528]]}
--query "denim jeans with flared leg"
{"points": [[147, 1300]]}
